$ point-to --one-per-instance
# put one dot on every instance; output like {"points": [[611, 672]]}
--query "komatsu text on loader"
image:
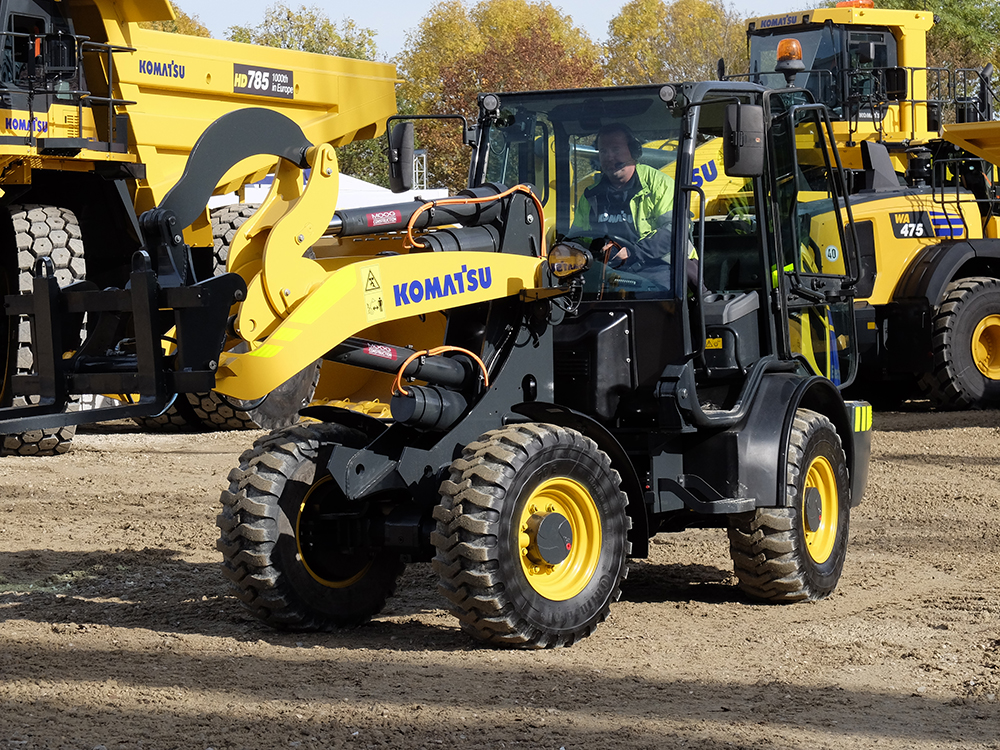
{"points": [[514, 406], [921, 146], [97, 118]]}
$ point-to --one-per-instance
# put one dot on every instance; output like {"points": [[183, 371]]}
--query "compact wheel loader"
{"points": [[500, 396]]}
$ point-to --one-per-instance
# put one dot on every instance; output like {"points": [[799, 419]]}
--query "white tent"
{"points": [[353, 193]]}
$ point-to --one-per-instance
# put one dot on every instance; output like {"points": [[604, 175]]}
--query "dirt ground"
{"points": [[117, 631]]}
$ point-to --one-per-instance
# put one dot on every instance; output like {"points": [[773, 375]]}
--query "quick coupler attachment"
{"points": [[143, 344]]}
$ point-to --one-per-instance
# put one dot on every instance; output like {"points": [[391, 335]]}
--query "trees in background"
{"points": [[308, 29], [966, 35], [650, 41], [495, 45], [185, 24]]}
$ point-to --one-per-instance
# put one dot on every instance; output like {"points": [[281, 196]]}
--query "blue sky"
{"points": [[393, 19]]}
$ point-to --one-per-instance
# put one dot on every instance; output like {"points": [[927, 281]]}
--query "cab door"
{"points": [[816, 271]]}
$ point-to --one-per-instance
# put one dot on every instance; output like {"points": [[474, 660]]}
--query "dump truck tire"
{"points": [[797, 552], [179, 417], [279, 553], [39, 231], [966, 342], [279, 408], [531, 536]]}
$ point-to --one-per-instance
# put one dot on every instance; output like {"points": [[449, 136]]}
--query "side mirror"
{"points": [[743, 140], [895, 84], [401, 157]]}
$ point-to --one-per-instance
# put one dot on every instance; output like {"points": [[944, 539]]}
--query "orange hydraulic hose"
{"points": [[411, 242], [397, 384]]}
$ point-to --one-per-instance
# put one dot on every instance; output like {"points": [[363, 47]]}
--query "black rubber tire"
{"points": [[226, 220], [267, 557], [178, 417], [40, 231], [770, 547], [280, 407], [277, 409], [954, 381], [478, 538]]}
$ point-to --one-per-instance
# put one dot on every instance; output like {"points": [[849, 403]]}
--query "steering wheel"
{"points": [[597, 243]]}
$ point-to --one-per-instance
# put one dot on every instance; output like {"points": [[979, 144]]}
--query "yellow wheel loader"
{"points": [[97, 118], [500, 397], [921, 148]]}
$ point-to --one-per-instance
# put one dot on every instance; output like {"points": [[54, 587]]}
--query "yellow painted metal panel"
{"points": [[411, 285], [181, 84], [979, 138]]}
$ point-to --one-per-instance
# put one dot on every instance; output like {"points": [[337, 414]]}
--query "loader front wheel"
{"points": [[966, 340], [797, 552], [531, 536], [37, 231], [294, 554]]}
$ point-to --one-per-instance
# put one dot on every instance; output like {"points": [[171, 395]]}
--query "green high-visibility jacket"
{"points": [[650, 206]]}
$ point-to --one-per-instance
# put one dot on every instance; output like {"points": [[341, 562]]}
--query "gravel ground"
{"points": [[116, 628]]}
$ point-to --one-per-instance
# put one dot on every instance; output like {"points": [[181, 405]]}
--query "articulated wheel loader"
{"points": [[921, 147], [501, 396], [97, 120]]}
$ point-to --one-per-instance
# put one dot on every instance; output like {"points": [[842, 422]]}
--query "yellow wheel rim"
{"points": [[569, 577], [344, 570], [986, 347], [820, 540]]}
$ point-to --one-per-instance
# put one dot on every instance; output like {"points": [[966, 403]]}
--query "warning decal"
{"points": [[374, 301]]}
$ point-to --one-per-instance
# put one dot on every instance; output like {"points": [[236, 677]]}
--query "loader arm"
{"points": [[286, 307]]}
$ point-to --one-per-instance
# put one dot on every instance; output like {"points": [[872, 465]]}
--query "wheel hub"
{"points": [[986, 347], [558, 538], [813, 509], [820, 504], [550, 538]]}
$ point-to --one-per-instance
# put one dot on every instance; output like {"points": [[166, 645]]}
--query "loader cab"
{"points": [[852, 70], [732, 265]]}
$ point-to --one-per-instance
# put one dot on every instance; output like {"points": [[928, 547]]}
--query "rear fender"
{"points": [[761, 445]]}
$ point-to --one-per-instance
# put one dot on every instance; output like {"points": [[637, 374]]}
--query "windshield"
{"points": [[820, 55], [603, 163]]}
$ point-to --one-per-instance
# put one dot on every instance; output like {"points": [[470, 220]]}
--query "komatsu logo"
{"points": [[161, 69], [466, 280], [27, 126], [770, 23]]}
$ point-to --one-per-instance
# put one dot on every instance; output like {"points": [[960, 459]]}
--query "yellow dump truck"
{"points": [[98, 119]]}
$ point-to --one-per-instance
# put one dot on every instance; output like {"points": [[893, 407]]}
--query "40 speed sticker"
{"points": [[251, 79]]}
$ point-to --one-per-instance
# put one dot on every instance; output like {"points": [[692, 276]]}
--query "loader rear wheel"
{"points": [[966, 368], [531, 536], [281, 547], [797, 552], [281, 406], [38, 231]]}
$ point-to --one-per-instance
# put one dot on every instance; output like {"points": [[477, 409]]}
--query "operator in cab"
{"points": [[629, 207]]}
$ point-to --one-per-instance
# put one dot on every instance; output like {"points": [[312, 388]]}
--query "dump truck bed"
{"points": [[180, 84]]}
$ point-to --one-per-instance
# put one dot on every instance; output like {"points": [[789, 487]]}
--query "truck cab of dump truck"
{"points": [[46, 99]]}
